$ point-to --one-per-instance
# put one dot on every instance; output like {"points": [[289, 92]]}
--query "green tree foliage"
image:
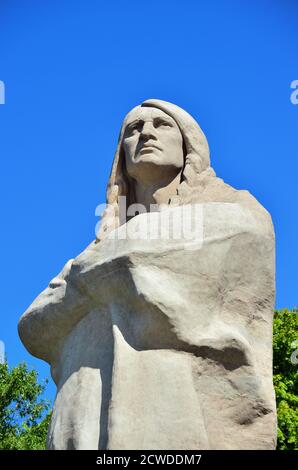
{"points": [[24, 416], [285, 369]]}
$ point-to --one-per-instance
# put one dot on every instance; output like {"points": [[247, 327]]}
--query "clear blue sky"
{"points": [[72, 69]]}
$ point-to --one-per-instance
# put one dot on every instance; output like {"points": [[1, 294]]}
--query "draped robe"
{"points": [[166, 343]]}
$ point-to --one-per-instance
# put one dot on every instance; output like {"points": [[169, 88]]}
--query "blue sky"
{"points": [[72, 70]]}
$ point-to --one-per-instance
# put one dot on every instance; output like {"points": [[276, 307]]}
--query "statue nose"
{"points": [[148, 130]]}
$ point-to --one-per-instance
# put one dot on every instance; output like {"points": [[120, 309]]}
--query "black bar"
{"points": [[143, 459]]}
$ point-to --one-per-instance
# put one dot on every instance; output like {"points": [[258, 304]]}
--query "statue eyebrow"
{"points": [[156, 118], [161, 118]]}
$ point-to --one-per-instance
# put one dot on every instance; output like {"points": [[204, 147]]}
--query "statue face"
{"points": [[152, 140]]}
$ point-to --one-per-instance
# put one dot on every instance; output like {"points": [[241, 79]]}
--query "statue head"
{"points": [[158, 140], [153, 145]]}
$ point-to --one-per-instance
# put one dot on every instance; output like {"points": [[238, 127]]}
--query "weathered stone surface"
{"points": [[164, 343]]}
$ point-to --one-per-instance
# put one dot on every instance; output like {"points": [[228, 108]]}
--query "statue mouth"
{"points": [[147, 148]]}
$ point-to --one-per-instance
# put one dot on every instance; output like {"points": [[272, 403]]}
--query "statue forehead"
{"points": [[146, 113]]}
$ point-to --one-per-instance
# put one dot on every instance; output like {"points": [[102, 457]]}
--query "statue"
{"points": [[163, 342]]}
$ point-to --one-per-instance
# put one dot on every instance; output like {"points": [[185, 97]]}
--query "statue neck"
{"points": [[156, 193]]}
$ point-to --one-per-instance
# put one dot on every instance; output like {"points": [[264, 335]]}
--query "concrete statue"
{"points": [[159, 336]]}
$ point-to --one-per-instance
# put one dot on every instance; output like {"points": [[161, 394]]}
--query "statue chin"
{"points": [[159, 336]]}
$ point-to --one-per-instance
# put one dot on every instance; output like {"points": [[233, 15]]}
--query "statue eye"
{"points": [[162, 123], [133, 128]]}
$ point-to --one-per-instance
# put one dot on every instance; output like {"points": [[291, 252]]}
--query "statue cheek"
{"points": [[173, 144], [165, 139], [128, 150]]}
